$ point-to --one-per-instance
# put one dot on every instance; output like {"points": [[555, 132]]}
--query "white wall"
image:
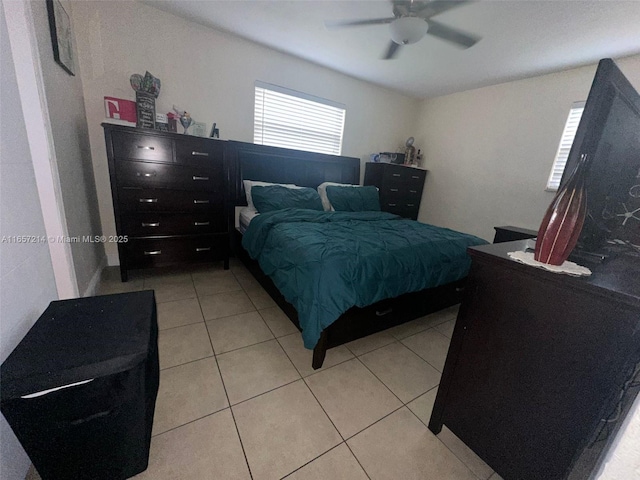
{"points": [[27, 284], [489, 151], [212, 75], [70, 137]]}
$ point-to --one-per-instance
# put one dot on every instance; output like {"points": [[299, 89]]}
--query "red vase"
{"points": [[562, 224]]}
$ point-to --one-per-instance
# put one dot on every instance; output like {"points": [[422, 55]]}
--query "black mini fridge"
{"points": [[79, 391]]}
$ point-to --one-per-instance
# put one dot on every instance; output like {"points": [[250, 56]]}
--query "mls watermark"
{"points": [[64, 239]]}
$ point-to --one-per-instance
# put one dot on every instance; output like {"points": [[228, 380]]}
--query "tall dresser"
{"points": [[170, 197], [400, 187], [542, 367]]}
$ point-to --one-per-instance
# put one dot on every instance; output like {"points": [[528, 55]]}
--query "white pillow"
{"points": [[252, 183], [322, 191]]}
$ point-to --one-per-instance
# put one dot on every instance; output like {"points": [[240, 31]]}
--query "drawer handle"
{"points": [[410, 205], [395, 174], [196, 177], [153, 252], [201, 224], [415, 176], [154, 224], [198, 202], [199, 154], [392, 204], [145, 148], [203, 249], [393, 189], [413, 191], [148, 200], [146, 174]]}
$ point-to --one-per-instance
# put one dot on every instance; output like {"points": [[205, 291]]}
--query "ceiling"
{"points": [[520, 38]]}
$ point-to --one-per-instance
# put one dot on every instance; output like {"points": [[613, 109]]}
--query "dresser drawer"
{"points": [[198, 151], [404, 177], [143, 253], [142, 147], [155, 224], [136, 199], [144, 174], [403, 209], [401, 193]]}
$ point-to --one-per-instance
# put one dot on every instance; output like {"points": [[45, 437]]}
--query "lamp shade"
{"points": [[406, 30]]}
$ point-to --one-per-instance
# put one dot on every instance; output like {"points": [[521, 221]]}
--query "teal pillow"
{"points": [[276, 197], [354, 199]]}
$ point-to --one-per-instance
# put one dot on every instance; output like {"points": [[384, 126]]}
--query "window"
{"points": [[290, 119], [564, 148]]}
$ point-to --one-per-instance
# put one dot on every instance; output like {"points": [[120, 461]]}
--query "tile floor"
{"points": [[238, 398]]}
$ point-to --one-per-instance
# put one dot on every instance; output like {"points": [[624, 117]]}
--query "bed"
{"points": [[333, 288]]}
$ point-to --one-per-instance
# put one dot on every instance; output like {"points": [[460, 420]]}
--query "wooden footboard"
{"points": [[360, 322]]}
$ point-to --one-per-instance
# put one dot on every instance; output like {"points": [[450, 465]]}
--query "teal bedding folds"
{"points": [[324, 263]]}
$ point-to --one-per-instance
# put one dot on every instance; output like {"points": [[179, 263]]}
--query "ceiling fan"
{"points": [[412, 20]]}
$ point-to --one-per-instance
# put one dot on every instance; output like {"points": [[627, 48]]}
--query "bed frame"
{"points": [[279, 165]]}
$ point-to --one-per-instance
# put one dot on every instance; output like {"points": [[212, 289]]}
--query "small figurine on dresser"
{"points": [[185, 118]]}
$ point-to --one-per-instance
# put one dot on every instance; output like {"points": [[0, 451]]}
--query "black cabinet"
{"points": [[170, 196], [79, 391], [400, 187], [542, 367]]}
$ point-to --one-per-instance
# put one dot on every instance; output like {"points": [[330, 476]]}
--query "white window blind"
{"points": [[568, 134], [290, 119]]}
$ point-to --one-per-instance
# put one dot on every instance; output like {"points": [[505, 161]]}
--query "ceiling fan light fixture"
{"points": [[407, 30]]}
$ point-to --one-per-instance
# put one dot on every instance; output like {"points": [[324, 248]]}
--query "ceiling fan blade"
{"points": [[436, 7], [357, 23], [392, 51], [459, 38]]}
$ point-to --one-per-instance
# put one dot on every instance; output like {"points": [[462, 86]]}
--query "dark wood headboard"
{"points": [[248, 161]]}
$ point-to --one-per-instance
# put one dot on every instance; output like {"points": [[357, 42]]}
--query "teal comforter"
{"points": [[324, 263]]}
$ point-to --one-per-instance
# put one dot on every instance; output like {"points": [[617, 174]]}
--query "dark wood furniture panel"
{"points": [[539, 364], [400, 187], [170, 196], [509, 234]]}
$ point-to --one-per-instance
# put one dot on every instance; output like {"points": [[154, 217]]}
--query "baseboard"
{"points": [[113, 260], [93, 284]]}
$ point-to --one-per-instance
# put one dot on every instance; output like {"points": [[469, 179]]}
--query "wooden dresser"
{"points": [[542, 368], [400, 187], [170, 196]]}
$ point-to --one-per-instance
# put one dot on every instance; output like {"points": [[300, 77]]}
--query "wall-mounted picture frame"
{"points": [[61, 36]]}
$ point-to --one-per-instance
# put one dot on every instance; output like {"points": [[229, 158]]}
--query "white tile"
{"points": [[188, 392], [446, 328], [370, 342], [253, 370], [168, 292], [183, 344], [208, 448], [423, 405], [464, 453], [225, 305], [278, 321], [431, 345], [352, 396], [404, 372], [259, 296], [237, 331], [179, 313], [302, 357], [215, 281], [400, 446], [282, 430], [337, 464]]}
